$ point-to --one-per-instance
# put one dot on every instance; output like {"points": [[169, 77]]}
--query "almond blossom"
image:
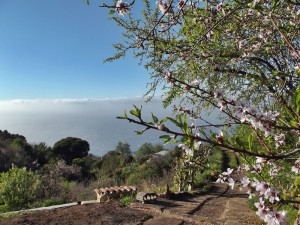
{"points": [[181, 4], [163, 7], [279, 140], [262, 188], [220, 138], [197, 144], [256, 168], [296, 167], [228, 172], [187, 150], [231, 182], [272, 195], [260, 204], [219, 6], [245, 182], [122, 8]]}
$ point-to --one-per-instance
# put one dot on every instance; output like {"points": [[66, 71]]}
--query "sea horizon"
{"points": [[93, 120]]}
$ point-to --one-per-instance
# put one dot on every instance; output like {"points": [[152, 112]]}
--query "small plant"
{"points": [[126, 200], [18, 187]]}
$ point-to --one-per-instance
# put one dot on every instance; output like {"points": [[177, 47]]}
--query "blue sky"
{"points": [[55, 49]]}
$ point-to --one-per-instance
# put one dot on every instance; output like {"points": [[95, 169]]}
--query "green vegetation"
{"points": [[71, 148], [64, 174], [238, 61], [18, 187], [126, 200]]}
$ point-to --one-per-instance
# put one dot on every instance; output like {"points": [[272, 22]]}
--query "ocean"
{"points": [[90, 119]]}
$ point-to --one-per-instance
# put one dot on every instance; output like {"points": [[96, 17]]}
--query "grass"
{"points": [[6, 214], [4, 209]]}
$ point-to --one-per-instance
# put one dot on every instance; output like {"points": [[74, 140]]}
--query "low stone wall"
{"points": [[105, 194]]}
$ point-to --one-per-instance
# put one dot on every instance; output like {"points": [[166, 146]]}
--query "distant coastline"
{"points": [[89, 119]]}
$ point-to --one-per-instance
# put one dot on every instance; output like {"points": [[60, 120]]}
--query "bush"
{"points": [[126, 200], [18, 187]]}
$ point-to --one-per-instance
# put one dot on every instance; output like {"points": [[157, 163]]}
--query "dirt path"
{"points": [[221, 206]]}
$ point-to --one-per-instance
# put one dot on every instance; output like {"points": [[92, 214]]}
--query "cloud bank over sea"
{"points": [[94, 120]]}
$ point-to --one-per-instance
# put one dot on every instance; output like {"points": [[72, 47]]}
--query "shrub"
{"points": [[18, 187], [126, 200]]}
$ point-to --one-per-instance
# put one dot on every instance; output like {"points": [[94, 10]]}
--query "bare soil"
{"points": [[222, 206]]}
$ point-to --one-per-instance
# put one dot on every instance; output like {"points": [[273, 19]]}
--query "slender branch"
{"points": [[217, 24], [284, 36], [214, 143]]}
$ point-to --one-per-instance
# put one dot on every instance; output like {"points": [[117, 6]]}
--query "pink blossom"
{"points": [[220, 138], [280, 218], [260, 204], [163, 7], [245, 181], [228, 172], [262, 188], [221, 104], [279, 140], [262, 213], [187, 150], [219, 6], [239, 169], [296, 167], [256, 168], [275, 218], [274, 170], [181, 4], [272, 195], [218, 94], [122, 8], [231, 182], [251, 192], [246, 167], [221, 179], [260, 160], [197, 144]]}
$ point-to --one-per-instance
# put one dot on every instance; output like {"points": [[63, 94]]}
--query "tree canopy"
{"points": [[238, 58], [71, 148]]}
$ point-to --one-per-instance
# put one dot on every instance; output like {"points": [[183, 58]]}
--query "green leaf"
{"points": [[165, 136], [121, 117], [297, 99], [140, 132], [275, 3], [185, 124], [134, 113], [250, 141], [173, 121], [155, 120], [138, 111], [111, 11], [166, 141], [293, 123], [163, 120], [179, 119]]}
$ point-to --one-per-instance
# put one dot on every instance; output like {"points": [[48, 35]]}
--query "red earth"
{"points": [[221, 206]]}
